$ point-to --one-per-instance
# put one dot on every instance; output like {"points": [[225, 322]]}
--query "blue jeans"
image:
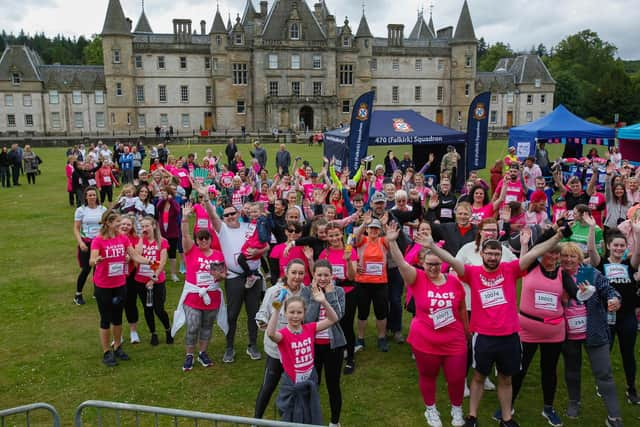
{"points": [[626, 328], [396, 286]]}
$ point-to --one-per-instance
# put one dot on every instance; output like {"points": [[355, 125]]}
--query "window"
{"points": [[440, 65], [537, 83], [142, 121], [55, 120], [164, 119], [366, 43], [118, 89], [208, 94], [240, 107], [346, 74], [183, 62], [184, 93], [273, 61], [395, 64], [374, 64], [162, 93], [207, 63], [115, 56], [295, 88], [529, 116], [28, 120], [8, 100], [317, 62], [113, 118], [161, 62], [295, 62], [100, 119], [139, 93], [11, 120], [185, 120], [273, 88], [418, 93], [215, 64], [218, 40], [239, 74], [99, 97], [440, 93], [26, 101], [395, 94], [346, 41], [494, 98], [129, 119], [76, 97], [493, 116], [510, 97], [529, 99], [78, 120], [418, 64], [294, 31], [468, 61], [317, 88], [15, 79], [346, 106], [542, 114], [459, 116], [543, 98], [467, 89], [237, 39], [138, 61]]}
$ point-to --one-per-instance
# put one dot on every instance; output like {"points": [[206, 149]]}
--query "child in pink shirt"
{"points": [[259, 239]]}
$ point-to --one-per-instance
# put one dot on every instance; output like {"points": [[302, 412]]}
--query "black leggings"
{"points": [[159, 298], [549, 355], [376, 293], [331, 359], [106, 192], [110, 305], [626, 328], [346, 322], [130, 306], [272, 372], [85, 268], [31, 177], [173, 247]]}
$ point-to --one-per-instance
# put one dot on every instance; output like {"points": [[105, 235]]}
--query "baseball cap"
{"points": [[538, 196], [375, 223], [379, 167], [560, 199], [378, 197], [512, 148], [141, 171], [314, 174]]}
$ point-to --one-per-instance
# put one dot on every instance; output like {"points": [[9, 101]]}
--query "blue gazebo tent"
{"points": [[629, 138], [560, 126]]}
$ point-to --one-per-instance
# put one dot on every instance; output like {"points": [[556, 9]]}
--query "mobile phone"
{"points": [[585, 274]]}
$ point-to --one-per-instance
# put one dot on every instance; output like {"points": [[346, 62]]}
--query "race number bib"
{"points": [[203, 278], [374, 268], [202, 223], [116, 269], [510, 198], [446, 213], [145, 270], [577, 324], [303, 376], [338, 271], [616, 272], [492, 297], [92, 181], [442, 318], [107, 179], [545, 301]]}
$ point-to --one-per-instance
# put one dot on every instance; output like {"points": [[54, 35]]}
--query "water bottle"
{"points": [[611, 318], [149, 302]]}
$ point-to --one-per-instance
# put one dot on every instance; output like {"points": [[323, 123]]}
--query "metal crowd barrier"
{"points": [[173, 414], [27, 409]]}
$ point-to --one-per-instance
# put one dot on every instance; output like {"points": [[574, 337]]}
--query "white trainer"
{"points": [[488, 385], [467, 392], [433, 416], [457, 417], [135, 338]]}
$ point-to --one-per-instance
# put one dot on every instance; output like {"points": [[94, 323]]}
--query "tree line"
{"points": [[58, 49], [590, 80]]}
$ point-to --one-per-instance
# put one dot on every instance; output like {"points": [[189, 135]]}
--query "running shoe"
{"points": [[433, 416], [398, 337], [109, 359], [383, 345], [632, 396], [349, 367], [253, 352], [188, 363], [169, 337], [120, 354], [471, 422], [488, 385], [573, 409], [613, 422], [204, 360], [598, 392], [552, 417], [510, 423], [229, 356], [154, 339], [135, 338], [498, 414], [359, 345], [457, 418], [175, 278], [78, 300]]}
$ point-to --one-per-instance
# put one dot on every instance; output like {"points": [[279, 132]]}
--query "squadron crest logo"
{"points": [[480, 112], [399, 125], [363, 112]]}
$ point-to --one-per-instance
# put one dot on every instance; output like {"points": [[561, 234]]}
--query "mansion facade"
{"points": [[286, 65]]}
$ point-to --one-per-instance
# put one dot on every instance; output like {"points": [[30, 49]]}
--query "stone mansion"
{"points": [[284, 65]]}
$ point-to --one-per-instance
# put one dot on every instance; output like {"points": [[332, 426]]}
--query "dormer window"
{"points": [[15, 79], [238, 39], [294, 31], [346, 42], [218, 40]]}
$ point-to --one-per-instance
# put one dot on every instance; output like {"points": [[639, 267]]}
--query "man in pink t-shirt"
{"points": [[495, 317]]}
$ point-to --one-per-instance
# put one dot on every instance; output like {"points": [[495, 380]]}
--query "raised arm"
{"points": [[216, 222], [407, 271], [187, 240], [319, 297], [445, 256], [539, 250], [635, 257], [591, 187], [272, 328], [594, 256]]}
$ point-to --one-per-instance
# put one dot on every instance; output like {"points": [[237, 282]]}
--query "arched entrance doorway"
{"points": [[306, 117]]}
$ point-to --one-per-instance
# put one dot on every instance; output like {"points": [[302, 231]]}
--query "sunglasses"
{"points": [[228, 214], [204, 238], [433, 264]]}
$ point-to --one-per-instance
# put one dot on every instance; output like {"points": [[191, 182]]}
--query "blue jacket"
{"points": [[597, 326]]}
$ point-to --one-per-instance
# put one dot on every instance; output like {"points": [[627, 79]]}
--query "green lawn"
{"points": [[50, 350]]}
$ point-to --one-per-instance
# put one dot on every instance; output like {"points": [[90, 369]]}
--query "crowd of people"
{"points": [[308, 249], [15, 162]]}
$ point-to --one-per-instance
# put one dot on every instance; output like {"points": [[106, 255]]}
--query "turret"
{"points": [[464, 48]]}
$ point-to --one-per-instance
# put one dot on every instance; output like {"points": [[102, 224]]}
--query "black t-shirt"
{"points": [[572, 201], [621, 278]]}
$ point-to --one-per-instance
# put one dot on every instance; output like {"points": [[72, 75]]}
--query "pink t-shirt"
{"points": [[437, 327], [151, 252], [339, 266], [295, 252], [253, 241], [308, 189], [202, 219], [515, 191], [597, 207], [576, 315], [183, 175], [226, 179], [297, 352], [541, 297], [110, 272], [478, 214], [493, 298], [199, 274]]}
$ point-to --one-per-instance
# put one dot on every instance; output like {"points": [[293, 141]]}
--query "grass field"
{"points": [[50, 350]]}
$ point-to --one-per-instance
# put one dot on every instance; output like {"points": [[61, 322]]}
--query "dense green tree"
{"points": [[92, 52], [493, 54]]}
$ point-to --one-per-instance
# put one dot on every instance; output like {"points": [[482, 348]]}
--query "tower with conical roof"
{"points": [[464, 49], [364, 43], [143, 25], [117, 51]]}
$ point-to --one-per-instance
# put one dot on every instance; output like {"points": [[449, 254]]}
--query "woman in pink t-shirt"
{"points": [[438, 334], [279, 252], [296, 345], [130, 308], [109, 252], [481, 207]]}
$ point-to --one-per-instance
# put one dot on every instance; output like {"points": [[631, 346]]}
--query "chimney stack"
{"points": [[395, 34], [203, 27], [264, 8]]}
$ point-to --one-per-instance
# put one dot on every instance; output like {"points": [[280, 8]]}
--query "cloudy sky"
{"points": [[521, 23]]}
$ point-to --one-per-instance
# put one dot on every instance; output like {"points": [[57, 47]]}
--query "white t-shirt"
{"points": [[231, 241], [89, 220]]}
